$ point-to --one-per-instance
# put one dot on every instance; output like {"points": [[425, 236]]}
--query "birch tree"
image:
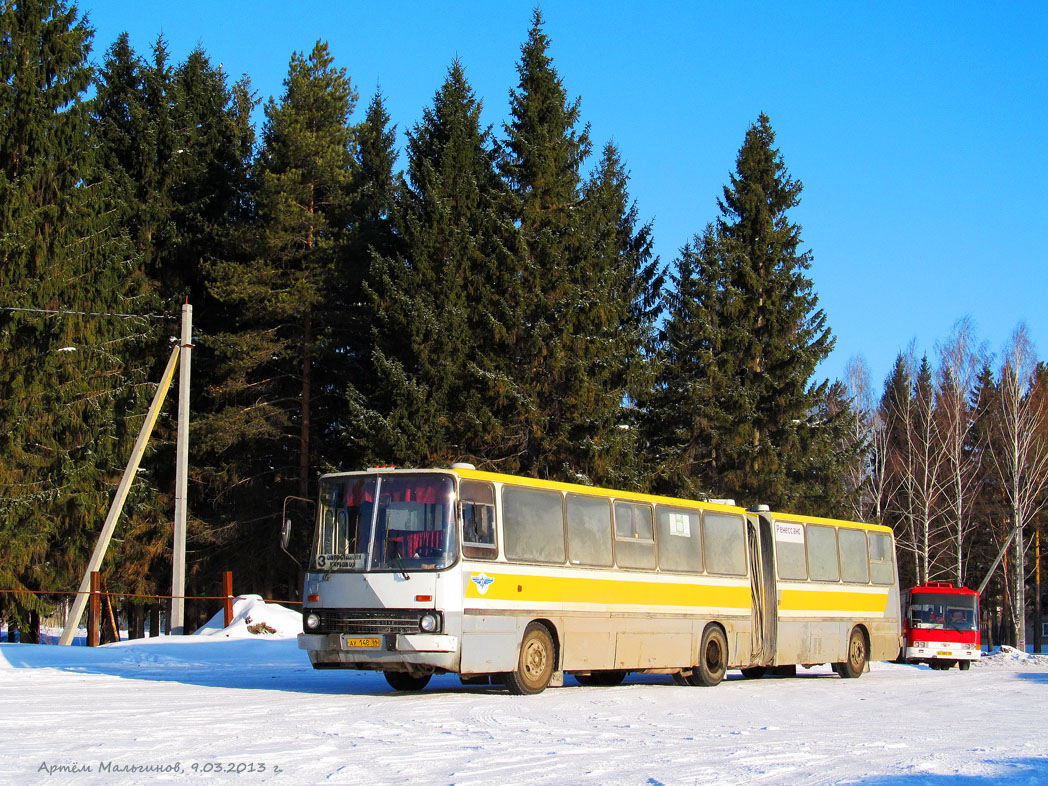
{"points": [[1021, 459], [867, 478], [960, 359], [928, 466]]}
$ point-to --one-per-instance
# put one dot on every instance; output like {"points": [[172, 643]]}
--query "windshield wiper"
{"points": [[398, 562]]}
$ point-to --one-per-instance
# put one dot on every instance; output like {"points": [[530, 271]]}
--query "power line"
{"points": [[88, 313]]}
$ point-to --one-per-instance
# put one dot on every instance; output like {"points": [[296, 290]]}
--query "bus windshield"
{"points": [[411, 527], [934, 611]]}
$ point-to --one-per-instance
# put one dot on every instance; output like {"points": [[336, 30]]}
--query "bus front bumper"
{"points": [[941, 651], [386, 651]]}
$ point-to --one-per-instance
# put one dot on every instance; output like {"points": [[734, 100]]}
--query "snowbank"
{"points": [[1011, 659], [253, 617]]}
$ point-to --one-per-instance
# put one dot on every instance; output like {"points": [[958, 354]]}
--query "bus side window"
{"points": [[724, 542], [822, 553], [634, 536], [478, 520], [533, 525], [855, 565], [589, 530], [789, 551], [678, 539], [881, 570]]}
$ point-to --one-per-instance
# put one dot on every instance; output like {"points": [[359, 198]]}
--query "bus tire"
{"points": [[601, 679], [535, 663], [713, 659], [964, 665], [853, 667], [401, 680], [754, 672]]}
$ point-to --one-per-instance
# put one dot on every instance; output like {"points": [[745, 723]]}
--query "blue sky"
{"points": [[918, 129]]}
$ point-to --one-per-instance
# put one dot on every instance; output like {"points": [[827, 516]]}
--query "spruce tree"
{"points": [[71, 379], [270, 369], [760, 436], [585, 280], [900, 466], [439, 357], [685, 407], [177, 142], [611, 329], [371, 234], [175, 145]]}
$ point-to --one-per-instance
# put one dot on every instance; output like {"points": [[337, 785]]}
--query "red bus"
{"points": [[941, 625]]}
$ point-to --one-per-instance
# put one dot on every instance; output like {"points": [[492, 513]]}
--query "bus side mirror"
{"points": [[285, 527]]}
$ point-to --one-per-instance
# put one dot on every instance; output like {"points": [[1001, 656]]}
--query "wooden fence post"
{"points": [[154, 618], [227, 590], [94, 609]]}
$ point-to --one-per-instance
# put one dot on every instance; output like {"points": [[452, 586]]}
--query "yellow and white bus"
{"points": [[520, 581]]}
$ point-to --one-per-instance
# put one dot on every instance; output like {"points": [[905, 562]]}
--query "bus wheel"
{"points": [[754, 672], [535, 665], [713, 659], [964, 665], [601, 679], [856, 663], [401, 680]]}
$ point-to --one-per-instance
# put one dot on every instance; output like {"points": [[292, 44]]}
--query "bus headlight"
{"points": [[429, 623], [312, 621]]}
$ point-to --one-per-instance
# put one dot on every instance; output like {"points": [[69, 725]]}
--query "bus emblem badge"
{"points": [[482, 581]]}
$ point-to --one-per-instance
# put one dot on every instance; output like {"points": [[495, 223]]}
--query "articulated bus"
{"points": [[519, 581]]}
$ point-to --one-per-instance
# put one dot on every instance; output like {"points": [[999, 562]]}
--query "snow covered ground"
{"points": [[230, 706]]}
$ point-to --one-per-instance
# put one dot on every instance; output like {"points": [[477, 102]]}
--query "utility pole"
{"points": [[95, 563], [178, 557]]}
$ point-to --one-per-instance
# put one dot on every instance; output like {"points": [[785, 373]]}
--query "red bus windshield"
{"points": [[944, 611]]}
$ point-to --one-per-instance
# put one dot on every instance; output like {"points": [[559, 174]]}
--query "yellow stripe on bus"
{"points": [[833, 600], [561, 589]]}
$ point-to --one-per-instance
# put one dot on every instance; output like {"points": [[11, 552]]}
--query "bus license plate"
{"points": [[361, 643], [944, 654]]}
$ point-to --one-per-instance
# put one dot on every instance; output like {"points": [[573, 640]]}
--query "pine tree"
{"points": [[263, 429], [70, 382]]}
